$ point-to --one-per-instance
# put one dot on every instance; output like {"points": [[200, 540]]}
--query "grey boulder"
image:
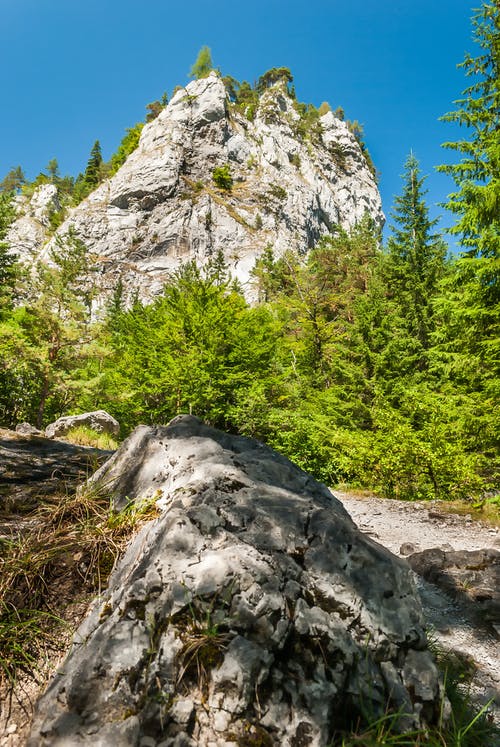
{"points": [[251, 611], [99, 421]]}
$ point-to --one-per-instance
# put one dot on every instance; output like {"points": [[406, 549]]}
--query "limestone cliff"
{"points": [[163, 207]]}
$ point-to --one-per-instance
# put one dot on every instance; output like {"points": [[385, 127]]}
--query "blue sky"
{"points": [[73, 72]]}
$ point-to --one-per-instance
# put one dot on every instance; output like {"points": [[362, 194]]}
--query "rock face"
{"points": [[29, 231], [163, 207], [99, 421], [252, 611]]}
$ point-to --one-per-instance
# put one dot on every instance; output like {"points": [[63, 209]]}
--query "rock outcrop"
{"points": [[99, 421], [252, 611], [162, 208], [29, 231]]}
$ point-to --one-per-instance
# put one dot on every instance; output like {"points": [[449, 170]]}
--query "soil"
{"points": [[406, 528]]}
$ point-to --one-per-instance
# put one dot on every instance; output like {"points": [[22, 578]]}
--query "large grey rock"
{"points": [[162, 207], [252, 611], [99, 421]]}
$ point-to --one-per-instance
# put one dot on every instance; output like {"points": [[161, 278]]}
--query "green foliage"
{"points": [[415, 257], [156, 107], [197, 348], [272, 77], [94, 172], [357, 130], [47, 343], [470, 307], [222, 178], [13, 181], [85, 436], [127, 146], [203, 65], [308, 125], [8, 264], [477, 175]]}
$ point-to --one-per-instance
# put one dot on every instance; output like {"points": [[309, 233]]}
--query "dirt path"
{"points": [[405, 528]]}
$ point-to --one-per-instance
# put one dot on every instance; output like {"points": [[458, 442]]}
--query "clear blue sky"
{"points": [[72, 71]]}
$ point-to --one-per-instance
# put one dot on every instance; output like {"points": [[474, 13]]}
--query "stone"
{"points": [[162, 207], [99, 421], [251, 608], [469, 576], [25, 429]]}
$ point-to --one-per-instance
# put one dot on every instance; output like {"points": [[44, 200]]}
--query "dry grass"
{"points": [[69, 549], [83, 436]]}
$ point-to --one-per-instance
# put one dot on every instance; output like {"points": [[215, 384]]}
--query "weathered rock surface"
{"points": [[29, 231], [162, 207], [252, 611], [26, 429], [33, 466], [472, 576], [99, 421]]}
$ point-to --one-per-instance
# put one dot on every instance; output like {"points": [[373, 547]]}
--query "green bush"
{"points": [[222, 177]]}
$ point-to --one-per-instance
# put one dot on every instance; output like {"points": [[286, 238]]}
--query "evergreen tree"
{"points": [[203, 65], [92, 174], [415, 256], [13, 181], [471, 307], [52, 170], [90, 179], [8, 262], [47, 344]]}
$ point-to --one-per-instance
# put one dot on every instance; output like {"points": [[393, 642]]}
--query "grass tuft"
{"points": [[70, 545], [81, 435]]}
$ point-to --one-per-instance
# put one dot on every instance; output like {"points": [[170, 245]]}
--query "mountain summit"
{"points": [[209, 175]]}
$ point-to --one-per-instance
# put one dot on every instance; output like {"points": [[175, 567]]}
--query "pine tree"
{"points": [[415, 255], [203, 65], [13, 181], [471, 308], [92, 174]]}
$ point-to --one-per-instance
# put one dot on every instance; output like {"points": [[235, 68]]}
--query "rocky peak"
{"points": [[292, 182]]}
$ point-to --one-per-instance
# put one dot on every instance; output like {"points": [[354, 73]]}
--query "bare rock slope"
{"points": [[252, 611], [162, 207]]}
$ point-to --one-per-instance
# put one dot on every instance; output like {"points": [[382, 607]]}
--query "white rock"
{"points": [[162, 207]]}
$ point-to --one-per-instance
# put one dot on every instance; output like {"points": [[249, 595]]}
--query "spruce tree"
{"points": [[471, 307], [203, 65], [92, 174], [415, 255]]}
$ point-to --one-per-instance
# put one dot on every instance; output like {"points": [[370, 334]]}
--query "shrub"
{"points": [[222, 177]]}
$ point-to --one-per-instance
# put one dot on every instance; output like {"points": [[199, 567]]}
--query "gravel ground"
{"points": [[405, 528]]}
